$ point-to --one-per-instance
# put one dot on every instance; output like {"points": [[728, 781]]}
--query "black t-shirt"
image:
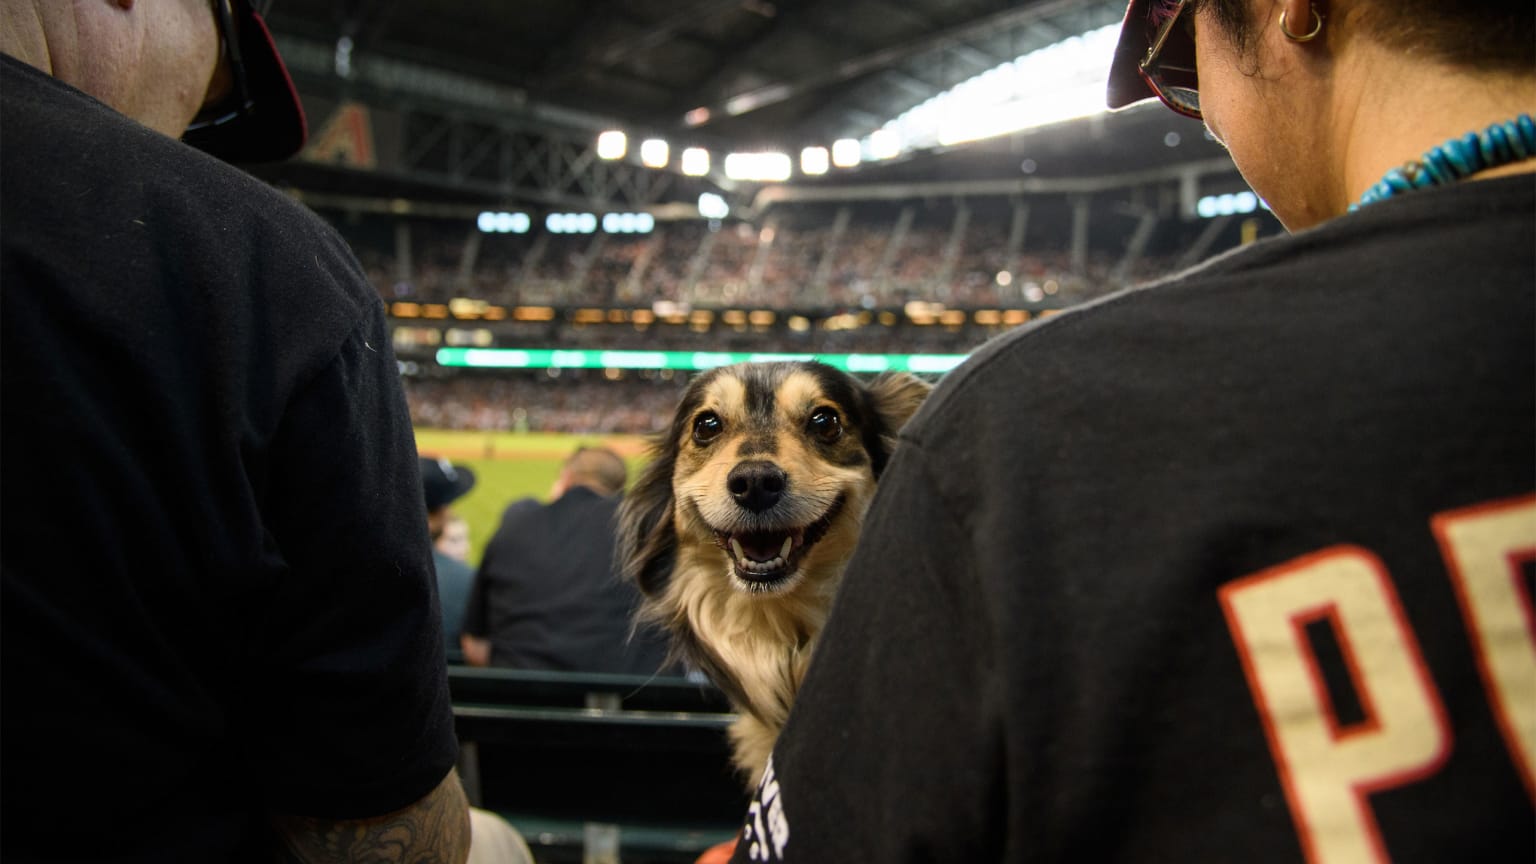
{"points": [[546, 594], [218, 591], [1224, 569]]}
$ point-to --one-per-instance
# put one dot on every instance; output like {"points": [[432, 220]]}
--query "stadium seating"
{"points": [[573, 759]]}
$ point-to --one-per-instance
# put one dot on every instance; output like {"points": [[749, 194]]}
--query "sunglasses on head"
{"points": [[1169, 67]]}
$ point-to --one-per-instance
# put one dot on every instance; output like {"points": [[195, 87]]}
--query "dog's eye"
{"points": [[707, 427], [825, 424]]}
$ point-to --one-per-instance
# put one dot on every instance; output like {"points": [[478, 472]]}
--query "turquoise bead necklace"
{"points": [[1459, 158]]}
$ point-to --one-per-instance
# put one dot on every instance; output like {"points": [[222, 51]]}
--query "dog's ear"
{"points": [[893, 398], [647, 541]]}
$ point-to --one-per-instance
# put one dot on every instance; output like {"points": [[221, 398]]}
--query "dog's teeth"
{"points": [[736, 550], [789, 543]]}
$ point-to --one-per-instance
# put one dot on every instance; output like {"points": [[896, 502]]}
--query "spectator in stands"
{"points": [[220, 629], [545, 596], [443, 483], [454, 541], [1234, 566]]}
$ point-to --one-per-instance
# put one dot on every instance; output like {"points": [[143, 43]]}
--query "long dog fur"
{"points": [[754, 640]]}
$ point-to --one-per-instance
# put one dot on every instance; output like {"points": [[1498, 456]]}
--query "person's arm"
{"points": [[473, 632], [347, 701], [435, 829], [477, 651]]}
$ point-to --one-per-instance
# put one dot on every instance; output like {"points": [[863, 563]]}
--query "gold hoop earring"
{"points": [[1317, 27]]}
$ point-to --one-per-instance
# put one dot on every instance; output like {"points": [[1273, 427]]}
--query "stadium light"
{"points": [[845, 152], [1229, 204], [1059, 82], [628, 223], [612, 144], [695, 161], [503, 223], [884, 144], [813, 160], [712, 206], [654, 153], [760, 167]]}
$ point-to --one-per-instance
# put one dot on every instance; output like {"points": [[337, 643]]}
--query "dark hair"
{"points": [[1485, 36]]}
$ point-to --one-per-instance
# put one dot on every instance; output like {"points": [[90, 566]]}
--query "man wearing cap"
{"points": [[443, 483], [221, 639]]}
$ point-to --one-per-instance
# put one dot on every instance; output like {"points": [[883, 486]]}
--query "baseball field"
{"points": [[509, 466]]}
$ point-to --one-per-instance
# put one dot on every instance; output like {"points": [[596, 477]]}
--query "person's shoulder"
{"points": [[80, 157], [521, 509]]}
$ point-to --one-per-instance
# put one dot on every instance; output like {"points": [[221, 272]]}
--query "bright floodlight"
{"points": [[611, 223], [612, 144], [653, 153], [761, 167], [487, 222], [813, 160], [695, 161], [884, 144], [504, 223], [644, 223], [554, 223], [521, 223], [845, 152], [1060, 82], [712, 206]]}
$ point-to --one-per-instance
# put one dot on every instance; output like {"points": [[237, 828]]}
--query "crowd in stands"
{"points": [[779, 264], [573, 402]]}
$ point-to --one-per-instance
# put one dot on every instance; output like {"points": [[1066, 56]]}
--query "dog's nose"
{"points": [[756, 485]]}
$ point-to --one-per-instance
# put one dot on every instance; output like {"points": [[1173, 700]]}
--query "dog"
{"points": [[738, 529]]}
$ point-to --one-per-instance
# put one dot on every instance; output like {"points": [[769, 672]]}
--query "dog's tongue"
{"points": [[761, 547]]}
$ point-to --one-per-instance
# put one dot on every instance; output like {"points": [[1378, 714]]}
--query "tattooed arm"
{"points": [[434, 830]]}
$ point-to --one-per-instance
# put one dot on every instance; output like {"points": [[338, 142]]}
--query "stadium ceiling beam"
{"points": [[786, 194], [917, 87], [314, 62], [612, 52], [775, 92], [971, 54], [364, 20], [452, 153]]}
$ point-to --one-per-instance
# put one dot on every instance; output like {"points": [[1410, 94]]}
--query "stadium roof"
{"points": [[778, 73], [767, 74]]}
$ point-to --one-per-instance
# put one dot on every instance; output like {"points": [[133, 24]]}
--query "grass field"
{"points": [[509, 466]]}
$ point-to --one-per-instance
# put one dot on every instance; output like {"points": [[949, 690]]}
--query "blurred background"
{"points": [[570, 207]]}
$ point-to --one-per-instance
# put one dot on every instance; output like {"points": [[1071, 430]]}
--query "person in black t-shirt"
{"points": [[546, 595], [1236, 566], [220, 631]]}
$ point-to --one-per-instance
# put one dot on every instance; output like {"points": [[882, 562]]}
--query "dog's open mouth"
{"points": [[764, 558]]}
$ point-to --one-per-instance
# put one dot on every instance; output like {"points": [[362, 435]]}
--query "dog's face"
{"points": [[764, 476]]}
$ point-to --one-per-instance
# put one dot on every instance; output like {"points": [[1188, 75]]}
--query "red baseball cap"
{"points": [[1126, 86], [262, 120]]}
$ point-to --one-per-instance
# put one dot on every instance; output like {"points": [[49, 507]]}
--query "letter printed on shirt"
{"points": [[1327, 770]]}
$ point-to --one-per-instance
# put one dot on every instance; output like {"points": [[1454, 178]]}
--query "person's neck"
{"points": [[1398, 109], [22, 35]]}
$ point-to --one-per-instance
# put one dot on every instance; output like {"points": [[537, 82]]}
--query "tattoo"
{"points": [[434, 830]]}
